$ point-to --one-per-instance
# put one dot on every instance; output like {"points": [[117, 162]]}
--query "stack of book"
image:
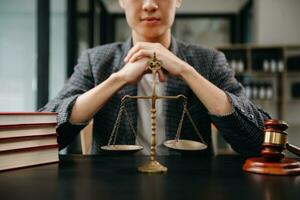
{"points": [[27, 139]]}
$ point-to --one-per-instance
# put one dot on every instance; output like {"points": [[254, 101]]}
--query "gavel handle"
{"points": [[292, 148]]}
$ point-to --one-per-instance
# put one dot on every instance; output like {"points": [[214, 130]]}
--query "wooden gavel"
{"points": [[272, 160], [275, 141]]}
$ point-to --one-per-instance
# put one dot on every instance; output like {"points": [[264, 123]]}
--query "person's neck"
{"points": [[165, 39]]}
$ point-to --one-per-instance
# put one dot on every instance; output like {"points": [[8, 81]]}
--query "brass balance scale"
{"points": [[153, 166]]}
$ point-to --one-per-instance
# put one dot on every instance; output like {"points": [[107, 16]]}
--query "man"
{"points": [[106, 73]]}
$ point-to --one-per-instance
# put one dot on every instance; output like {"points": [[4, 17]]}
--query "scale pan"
{"points": [[185, 145], [122, 148]]}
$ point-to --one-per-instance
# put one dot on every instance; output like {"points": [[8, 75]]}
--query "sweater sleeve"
{"points": [[243, 127], [80, 81]]}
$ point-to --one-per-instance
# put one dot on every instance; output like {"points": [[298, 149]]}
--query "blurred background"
{"points": [[40, 41]]}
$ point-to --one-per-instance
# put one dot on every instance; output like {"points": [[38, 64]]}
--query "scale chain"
{"points": [[195, 127], [186, 111], [130, 122], [114, 133], [117, 124], [181, 120]]}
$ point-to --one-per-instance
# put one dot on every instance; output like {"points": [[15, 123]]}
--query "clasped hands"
{"points": [[137, 60]]}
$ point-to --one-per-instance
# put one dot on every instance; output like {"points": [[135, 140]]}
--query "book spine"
{"points": [[27, 166], [21, 137], [28, 113], [28, 149], [26, 138], [21, 126]]}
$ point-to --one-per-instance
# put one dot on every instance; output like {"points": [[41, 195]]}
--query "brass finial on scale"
{"points": [[153, 166]]}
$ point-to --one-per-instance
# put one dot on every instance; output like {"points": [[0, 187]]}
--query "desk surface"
{"points": [[103, 177]]}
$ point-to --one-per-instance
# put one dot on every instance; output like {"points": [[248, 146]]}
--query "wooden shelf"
{"points": [[254, 56], [292, 100], [293, 74], [255, 46], [294, 124], [265, 100], [263, 73]]}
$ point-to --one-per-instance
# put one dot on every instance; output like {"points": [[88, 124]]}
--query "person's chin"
{"points": [[152, 33]]}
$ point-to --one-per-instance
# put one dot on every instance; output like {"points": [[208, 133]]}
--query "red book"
{"points": [[27, 142], [13, 131], [20, 158], [21, 118]]}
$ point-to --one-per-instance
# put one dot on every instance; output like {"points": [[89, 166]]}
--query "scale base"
{"points": [[260, 165], [152, 167]]}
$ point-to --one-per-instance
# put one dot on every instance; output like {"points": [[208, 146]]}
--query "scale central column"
{"points": [[153, 135], [153, 166]]}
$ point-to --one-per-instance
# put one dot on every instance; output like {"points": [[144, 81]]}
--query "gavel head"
{"points": [[275, 140]]}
